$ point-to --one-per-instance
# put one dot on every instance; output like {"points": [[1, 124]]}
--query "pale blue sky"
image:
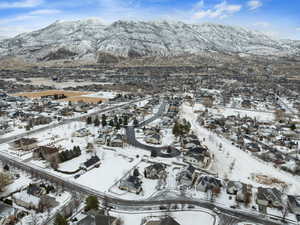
{"points": [[280, 18]]}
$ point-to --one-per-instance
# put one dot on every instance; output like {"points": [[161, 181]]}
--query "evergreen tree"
{"points": [[60, 220], [176, 129], [136, 172], [96, 122], [116, 120], [293, 127], [91, 202], [120, 121], [135, 122], [111, 123], [89, 120], [125, 120], [153, 153], [103, 120]]}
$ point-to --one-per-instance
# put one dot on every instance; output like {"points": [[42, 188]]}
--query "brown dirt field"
{"points": [[52, 92], [84, 99]]}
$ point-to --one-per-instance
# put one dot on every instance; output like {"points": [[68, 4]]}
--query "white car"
{"points": [[216, 210]]}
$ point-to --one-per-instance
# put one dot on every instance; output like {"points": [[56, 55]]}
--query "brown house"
{"points": [[46, 153]]}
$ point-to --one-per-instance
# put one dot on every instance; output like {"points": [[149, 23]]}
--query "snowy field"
{"points": [[260, 116], [102, 94], [183, 218], [58, 85]]}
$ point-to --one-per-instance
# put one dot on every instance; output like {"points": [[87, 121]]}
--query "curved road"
{"points": [[164, 152]]}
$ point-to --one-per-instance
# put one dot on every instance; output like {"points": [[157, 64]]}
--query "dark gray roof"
{"points": [[168, 221], [97, 220]]}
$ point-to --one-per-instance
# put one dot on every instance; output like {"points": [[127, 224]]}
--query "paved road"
{"points": [[228, 220], [164, 152]]}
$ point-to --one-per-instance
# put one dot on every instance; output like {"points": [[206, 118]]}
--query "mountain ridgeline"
{"points": [[91, 40]]}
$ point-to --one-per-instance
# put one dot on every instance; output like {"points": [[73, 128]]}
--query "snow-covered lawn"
{"points": [[259, 115], [182, 217], [113, 167]]}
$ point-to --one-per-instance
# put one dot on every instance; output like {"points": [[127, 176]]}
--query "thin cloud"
{"points": [[16, 19], [254, 4], [220, 11], [262, 24], [298, 29], [44, 12], [21, 4], [199, 5]]}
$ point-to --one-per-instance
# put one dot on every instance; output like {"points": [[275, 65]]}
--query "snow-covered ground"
{"points": [[58, 85], [102, 94], [259, 115], [245, 164], [191, 217]]}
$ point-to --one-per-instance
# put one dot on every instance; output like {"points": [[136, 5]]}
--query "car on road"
{"points": [[216, 210], [76, 176], [162, 207]]}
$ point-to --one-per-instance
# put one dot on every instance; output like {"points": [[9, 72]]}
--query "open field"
{"points": [[39, 94], [84, 99]]}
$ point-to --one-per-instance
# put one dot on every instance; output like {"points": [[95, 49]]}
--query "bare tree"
{"points": [[208, 102], [5, 179], [279, 115]]}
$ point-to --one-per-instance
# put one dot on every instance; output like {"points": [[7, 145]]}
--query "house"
{"points": [[25, 144], [39, 120], [208, 183], [239, 189], [154, 139], [35, 197], [269, 197], [116, 141], [99, 220], [294, 204], [154, 171], [190, 140], [246, 104], [187, 177], [150, 131], [253, 147], [101, 139], [46, 153], [67, 111], [47, 202], [36, 190], [83, 132], [131, 184], [197, 156], [26, 200], [6, 213]]}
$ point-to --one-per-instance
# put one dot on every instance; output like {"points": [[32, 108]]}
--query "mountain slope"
{"points": [[87, 39]]}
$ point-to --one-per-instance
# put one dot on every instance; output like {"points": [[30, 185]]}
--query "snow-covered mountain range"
{"points": [[86, 39]]}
